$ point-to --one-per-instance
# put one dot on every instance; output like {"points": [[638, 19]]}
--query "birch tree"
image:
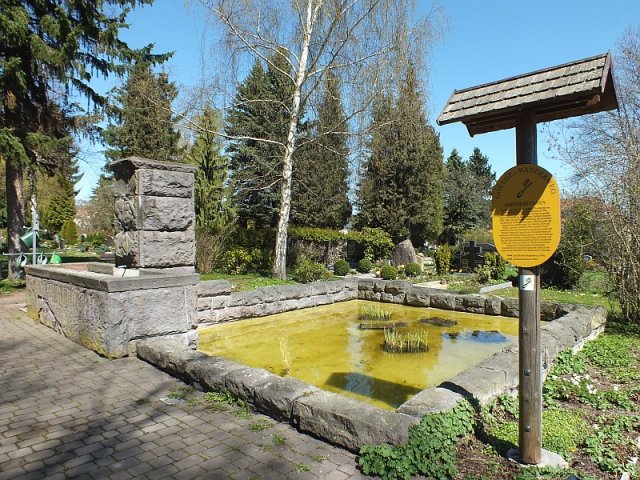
{"points": [[604, 153], [361, 42]]}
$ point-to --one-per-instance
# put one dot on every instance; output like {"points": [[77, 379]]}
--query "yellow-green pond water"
{"points": [[325, 347]]}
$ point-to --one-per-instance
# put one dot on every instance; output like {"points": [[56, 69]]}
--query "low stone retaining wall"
{"points": [[341, 420], [405, 293], [107, 310], [216, 302]]}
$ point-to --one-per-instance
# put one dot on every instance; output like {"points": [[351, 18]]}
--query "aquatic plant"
{"points": [[375, 313], [414, 341]]}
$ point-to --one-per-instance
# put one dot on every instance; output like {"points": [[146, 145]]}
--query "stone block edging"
{"points": [[344, 421], [332, 417]]}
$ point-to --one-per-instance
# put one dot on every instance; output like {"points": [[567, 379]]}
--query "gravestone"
{"points": [[154, 215], [404, 254]]}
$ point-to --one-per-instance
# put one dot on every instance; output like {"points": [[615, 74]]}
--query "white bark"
{"points": [[280, 263]]}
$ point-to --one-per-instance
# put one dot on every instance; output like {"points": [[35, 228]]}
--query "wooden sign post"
{"points": [[526, 202]]}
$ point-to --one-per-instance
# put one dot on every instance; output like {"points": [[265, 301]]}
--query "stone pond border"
{"points": [[333, 417]]}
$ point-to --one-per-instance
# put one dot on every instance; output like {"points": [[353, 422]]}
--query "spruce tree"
{"points": [[401, 191], [211, 193], [485, 178], [379, 199], [51, 50], [144, 122], [258, 125], [320, 191], [463, 198], [420, 163], [101, 207], [56, 195]]}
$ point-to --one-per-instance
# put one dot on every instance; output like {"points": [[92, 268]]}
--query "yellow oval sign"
{"points": [[526, 215]]}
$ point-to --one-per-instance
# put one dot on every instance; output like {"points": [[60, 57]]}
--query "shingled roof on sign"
{"points": [[568, 90]]}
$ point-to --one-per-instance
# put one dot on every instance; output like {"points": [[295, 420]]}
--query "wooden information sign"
{"points": [[526, 215]]}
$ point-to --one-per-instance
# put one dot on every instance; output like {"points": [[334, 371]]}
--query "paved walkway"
{"points": [[67, 413]]}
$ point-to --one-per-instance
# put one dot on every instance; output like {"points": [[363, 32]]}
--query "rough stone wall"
{"points": [[110, 322], [216, 303], [154, 214], [404, 293]]}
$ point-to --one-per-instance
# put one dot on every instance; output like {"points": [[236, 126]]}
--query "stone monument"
{"points": [[154, 214]]}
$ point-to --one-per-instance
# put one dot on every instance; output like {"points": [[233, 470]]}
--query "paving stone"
{"points": [[68, 412]]}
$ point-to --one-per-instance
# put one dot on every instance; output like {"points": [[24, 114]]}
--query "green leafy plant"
{"points": [[278, 439], [607, 445], [388, 272], [181, 393], [69, 231], [430, 450], [483, 274], [309, 271], [442, 258], [412, 270], [240, 260], [301, 468], [375, 242], [364, 266], [261, 425], [564, 431], [341, 268]]}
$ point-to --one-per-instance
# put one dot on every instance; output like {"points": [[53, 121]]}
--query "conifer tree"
{"points": [[56, 195], [49, 51], [101, 207], [258, 122], [145, 125], [464, 198], [479, 165], [420, 162], [211, 193], [401, 191], [320, 190], [379, 197]]}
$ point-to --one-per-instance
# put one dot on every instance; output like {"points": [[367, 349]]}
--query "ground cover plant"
{"points": [[591, 415]]}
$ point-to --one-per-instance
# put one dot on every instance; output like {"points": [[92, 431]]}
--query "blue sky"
{"points": [[484, 41]]}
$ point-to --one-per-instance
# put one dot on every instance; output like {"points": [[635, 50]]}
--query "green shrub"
{"points": [[388, 272], [95, 239], [341, 267], [412, 270], [497, 266], [442, 257], [375, 242], [69, 231], [309, 271], [318, 235], [240, 260], [483, 274], [365, 265]]}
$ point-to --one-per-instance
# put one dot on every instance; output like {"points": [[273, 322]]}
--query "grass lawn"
{"points": [[246, 281], [10, 286]]}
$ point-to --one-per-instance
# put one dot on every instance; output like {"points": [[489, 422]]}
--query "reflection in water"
{"points": [[323, 346], [393, 394]]}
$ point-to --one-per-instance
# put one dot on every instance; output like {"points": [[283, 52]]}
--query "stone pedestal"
{"points": [[155, 217]]}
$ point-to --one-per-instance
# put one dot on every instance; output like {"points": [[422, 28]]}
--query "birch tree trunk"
{"points": [[280, 262]]}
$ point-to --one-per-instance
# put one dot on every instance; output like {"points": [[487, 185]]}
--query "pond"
{"points": [[328, 347]]}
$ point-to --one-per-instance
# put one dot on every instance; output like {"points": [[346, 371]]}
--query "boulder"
{"points": [[404, 253]]}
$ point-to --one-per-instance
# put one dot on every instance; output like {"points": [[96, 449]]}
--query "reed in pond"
{"points": [[380, 325], [375, 313], [413, 341]]}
